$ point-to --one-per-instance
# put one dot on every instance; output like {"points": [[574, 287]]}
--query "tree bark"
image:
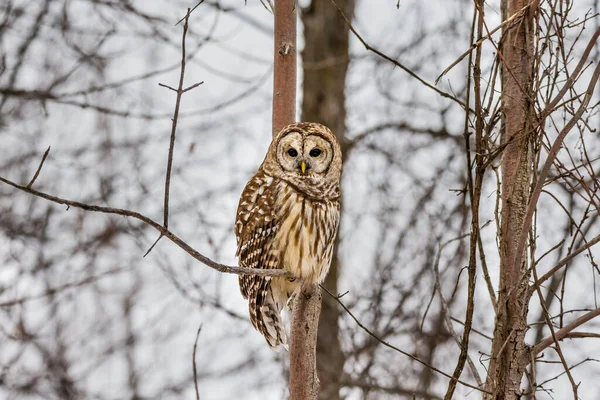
{"points": [[304, 383], [284, 68], [325, 61], [508, 346]]}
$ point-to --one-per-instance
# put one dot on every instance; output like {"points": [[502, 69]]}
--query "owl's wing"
{"points": [[255, 229]]}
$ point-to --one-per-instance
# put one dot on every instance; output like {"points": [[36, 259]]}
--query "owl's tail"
{"points": [[265, 315]]}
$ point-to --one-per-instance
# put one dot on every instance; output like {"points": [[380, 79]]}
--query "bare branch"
{"points": [[386, 344], [565, 331], [563, 262], [481, 40], [180, 91], [161, 229], [395, 62], [522, 241]]}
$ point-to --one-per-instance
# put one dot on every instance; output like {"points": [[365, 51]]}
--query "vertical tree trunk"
{"points": [[507, 364], [304, 384], [325, 62], [284, 68]]}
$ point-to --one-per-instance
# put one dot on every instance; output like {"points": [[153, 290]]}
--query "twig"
{"points": [[189, 12], [475, 185], [570, 368], [481, 40], [552, 154], [395, 62], [562, 263], [161, 229], [573, 78], [194, 363], [446, 311], [553, 335], [39, 168], [386, 344]]}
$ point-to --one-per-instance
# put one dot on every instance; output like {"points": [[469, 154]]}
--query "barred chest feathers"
{"points": [[306, 233]]}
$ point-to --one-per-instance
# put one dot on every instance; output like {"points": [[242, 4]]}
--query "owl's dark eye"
{"points": [[315, 152], [292, 152]]}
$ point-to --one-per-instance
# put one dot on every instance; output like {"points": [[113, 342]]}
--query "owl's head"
{"points": [[307, 155]]}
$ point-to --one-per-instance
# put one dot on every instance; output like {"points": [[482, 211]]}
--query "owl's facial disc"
{"points": [[304, 156]]}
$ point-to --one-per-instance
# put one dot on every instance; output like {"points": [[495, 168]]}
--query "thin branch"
{"points": [[552, 154], [553, 336], [189, 12], [481, 40], [565, 331], [194, 360], [161, 229], [446, 310], [573, 78], [562, 263], [180, 91], [37, 172], [395, 62], [386, 344]]}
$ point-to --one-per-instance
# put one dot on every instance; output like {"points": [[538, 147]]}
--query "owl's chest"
{"points": [[305, 236]]}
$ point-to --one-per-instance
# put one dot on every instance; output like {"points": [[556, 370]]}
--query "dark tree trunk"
{"points": [[325, 62]]}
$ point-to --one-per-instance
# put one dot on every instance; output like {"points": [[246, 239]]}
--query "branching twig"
{"points": [[180, 91]]}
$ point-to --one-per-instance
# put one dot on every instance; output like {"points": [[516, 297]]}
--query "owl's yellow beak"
{"points": [[303, 167]]}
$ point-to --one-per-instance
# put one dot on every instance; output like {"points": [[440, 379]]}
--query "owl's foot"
{"points": [[291, 299]]}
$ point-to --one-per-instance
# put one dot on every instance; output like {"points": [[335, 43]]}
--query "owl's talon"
{"points": [[290, 302]]}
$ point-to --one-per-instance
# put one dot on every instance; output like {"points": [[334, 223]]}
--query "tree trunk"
{"points": [[325, 62], [508, 355], [284, 65], [304, 383]]}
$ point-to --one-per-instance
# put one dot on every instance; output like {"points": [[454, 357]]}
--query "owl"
{"points": [[287, 218]]}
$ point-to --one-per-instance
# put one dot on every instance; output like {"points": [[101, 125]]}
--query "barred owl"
{"points": [[287, 218]]}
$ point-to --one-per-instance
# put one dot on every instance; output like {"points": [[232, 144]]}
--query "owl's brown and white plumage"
{"points": [[287, 218]]}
